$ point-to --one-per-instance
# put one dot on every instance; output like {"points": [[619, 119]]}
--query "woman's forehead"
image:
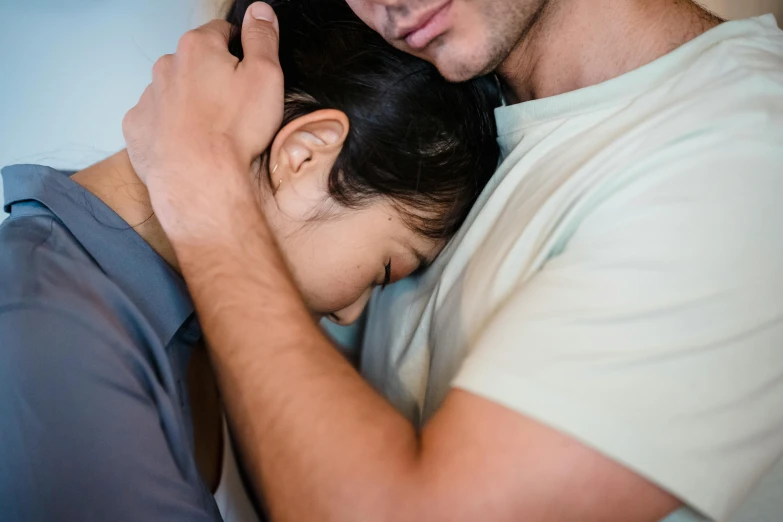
{"points": [[386, 222]]}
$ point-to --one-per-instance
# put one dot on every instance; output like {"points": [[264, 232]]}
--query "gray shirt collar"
{"points": [[154, 287]]}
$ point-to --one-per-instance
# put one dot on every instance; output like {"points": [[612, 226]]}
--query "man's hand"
{"points": [[203, 121]]}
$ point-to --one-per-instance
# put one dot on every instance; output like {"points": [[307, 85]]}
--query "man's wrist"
{"points": [[204, 203]]}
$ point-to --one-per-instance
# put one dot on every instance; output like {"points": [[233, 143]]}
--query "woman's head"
{"points": [[378, 160]]}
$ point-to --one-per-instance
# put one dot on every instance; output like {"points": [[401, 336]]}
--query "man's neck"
{"points": [[114, 182], [578, 43]]}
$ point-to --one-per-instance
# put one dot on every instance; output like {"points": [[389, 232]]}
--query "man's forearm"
{"points": [[320, 443]]}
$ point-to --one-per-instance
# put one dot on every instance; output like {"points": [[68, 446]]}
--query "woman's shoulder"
{"points": [[48, 278], [42, 262]]}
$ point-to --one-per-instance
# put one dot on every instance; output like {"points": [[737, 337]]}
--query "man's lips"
{"points": [[429, 25]]}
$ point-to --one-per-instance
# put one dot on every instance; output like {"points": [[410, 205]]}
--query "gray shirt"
{"points": [[95, 336]]}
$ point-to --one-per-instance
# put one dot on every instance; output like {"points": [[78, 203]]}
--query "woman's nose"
{"points": [[351, 313]]}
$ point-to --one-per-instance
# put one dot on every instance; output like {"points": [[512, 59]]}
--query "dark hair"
{"points": [[426, 144]]}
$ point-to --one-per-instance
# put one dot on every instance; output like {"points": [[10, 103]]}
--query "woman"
{"points": [[105, 414]]}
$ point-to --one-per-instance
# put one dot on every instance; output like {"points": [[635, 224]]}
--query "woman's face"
{"points": [[339, 259], [336, 255]]}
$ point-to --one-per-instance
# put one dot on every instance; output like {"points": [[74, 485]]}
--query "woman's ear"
{"points": [[303, 153]]}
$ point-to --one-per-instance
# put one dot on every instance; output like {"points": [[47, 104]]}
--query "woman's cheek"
{"points": [[332, 294]]}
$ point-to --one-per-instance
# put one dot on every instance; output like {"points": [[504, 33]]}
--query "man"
{"points": [[600, 342]]}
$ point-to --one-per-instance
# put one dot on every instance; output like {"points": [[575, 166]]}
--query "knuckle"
{"points": [[134, 118], [128, 123], [189, 41], [162, 66]]}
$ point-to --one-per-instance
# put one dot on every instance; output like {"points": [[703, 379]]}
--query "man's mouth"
{"points": [[427, 26]]}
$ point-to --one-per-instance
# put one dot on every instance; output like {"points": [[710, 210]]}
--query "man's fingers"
{"points": [[162, 67], [134, 117], [135, 124], [260, 34], [218, 31], [212, 34]]}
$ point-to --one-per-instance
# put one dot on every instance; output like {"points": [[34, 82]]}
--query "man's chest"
{"points": [[421, 330]]}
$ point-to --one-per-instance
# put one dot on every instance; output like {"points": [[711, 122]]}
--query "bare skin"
{"points": [[535, 68], [320, 443], [114, 182], [542, 48]]}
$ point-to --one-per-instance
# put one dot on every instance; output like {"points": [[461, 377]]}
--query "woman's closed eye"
{"points": [[387, 275]]}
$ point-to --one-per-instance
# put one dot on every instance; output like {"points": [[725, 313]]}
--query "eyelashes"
{"points": [[387, 276]]}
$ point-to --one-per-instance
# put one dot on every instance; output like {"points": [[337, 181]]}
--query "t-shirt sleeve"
{"points": [[656, 335], [80, 432]]}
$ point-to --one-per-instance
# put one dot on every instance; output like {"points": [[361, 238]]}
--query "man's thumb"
{"points": [[260, 33]]}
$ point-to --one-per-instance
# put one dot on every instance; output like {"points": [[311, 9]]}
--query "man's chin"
{"points": [[461, 74], [457, 68]]}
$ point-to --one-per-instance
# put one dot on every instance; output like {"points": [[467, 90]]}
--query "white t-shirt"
{"points": [[621, 279]]}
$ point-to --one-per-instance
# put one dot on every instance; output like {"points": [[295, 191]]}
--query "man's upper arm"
{"points": [[655, 336], [80, 432], [484, 461]]}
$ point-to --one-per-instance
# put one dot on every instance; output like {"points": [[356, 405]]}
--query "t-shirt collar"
{"points": [[513, 118]]}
